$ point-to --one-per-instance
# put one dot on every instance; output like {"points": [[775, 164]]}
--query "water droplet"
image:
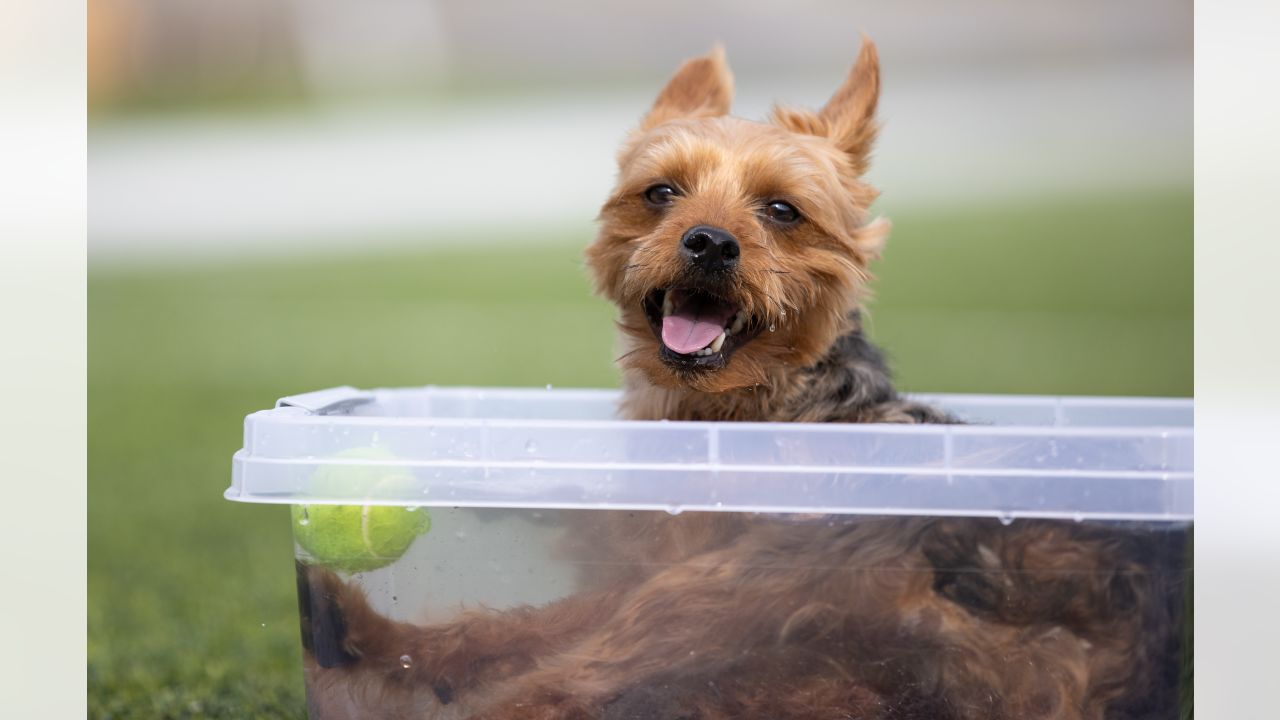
{"points": [[406, 662], [304, 521], [548, 386], [1006, 518], [674, 509], [772, 327], [1078, 517], [531, 447], [412, 508]]}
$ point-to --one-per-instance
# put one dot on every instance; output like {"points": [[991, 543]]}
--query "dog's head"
{"points": [[734, 247]]}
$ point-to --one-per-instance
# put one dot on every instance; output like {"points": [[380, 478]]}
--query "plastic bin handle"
{"points": [[331, 401]]}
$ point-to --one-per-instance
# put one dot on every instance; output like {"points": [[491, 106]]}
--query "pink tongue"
{"points": [[690, 329]]}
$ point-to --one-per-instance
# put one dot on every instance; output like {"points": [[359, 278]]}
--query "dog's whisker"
{"points": [[626, 355]]}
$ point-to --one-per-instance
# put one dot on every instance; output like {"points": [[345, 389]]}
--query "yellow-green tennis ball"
{"points": [[358, 538]]}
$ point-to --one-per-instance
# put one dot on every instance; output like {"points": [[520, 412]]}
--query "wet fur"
{"points": [[706, 615]]}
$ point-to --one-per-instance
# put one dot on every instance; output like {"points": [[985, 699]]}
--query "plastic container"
{"points": [[530, 491]]}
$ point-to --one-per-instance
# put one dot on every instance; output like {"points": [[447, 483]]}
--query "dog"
{"points": [[737, 255]]}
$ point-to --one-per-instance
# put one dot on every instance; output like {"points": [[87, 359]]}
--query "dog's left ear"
{"points": [[849, 116], [702, 87]]}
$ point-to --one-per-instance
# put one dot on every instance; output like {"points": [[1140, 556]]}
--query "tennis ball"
{"points": [[358, 538]]}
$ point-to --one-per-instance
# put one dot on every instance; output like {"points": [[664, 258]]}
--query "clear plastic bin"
{"points": [[546, 509]]}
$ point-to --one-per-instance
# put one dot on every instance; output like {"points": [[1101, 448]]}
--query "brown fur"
{"points": [[708, 615]]}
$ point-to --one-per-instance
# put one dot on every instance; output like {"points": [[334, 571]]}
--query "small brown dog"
{"points": [[736, 253]]}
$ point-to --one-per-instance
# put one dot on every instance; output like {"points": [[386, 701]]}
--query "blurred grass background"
{"points": [[192, 610]]}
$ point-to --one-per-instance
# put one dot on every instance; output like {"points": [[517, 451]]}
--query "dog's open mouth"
{"points": [[697, 329]]}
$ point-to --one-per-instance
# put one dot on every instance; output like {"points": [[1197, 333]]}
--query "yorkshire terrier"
{"points": [[736, 253]]}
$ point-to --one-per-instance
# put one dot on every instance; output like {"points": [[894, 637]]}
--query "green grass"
{"points": [[191, 607]]}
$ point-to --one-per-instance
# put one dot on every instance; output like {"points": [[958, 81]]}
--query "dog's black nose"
{"points": [[710, 248]]}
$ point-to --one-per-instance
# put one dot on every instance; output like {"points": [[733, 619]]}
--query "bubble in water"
{"points": [[1078, 517], [411, 508], [1006, 518], [406, 662], [531, 447], [548, 386]]}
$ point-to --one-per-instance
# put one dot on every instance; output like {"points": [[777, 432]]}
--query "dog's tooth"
{"points": [[667, 306], [738, 323], [716, 344]]}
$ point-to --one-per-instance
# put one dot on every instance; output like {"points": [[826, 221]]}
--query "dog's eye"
{"points": [[781, 213], [660, 195]]}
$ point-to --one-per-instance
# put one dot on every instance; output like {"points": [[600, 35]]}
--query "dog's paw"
{"points": [[323, 623], [967, 570]]}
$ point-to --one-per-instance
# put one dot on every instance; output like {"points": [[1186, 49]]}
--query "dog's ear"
{"points": [[849, 116], [702, 87]]}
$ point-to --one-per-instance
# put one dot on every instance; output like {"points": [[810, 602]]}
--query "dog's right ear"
{"points": [[702, 87], [850, 114]]}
